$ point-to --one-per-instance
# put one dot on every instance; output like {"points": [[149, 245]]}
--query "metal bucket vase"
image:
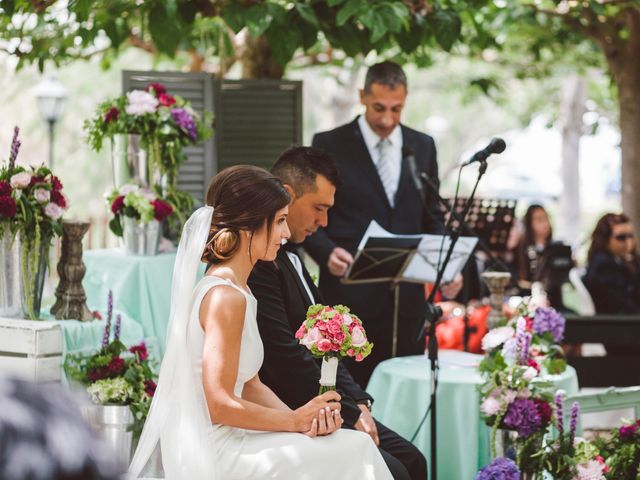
{"points": [[114, 424], [10, 293], [130, 161], [141, 239]]}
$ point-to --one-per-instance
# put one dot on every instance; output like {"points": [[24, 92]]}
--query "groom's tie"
{"points": [[385, 169]]}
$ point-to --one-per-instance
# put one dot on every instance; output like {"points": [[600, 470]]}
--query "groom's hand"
{"points": [[367, 424]]}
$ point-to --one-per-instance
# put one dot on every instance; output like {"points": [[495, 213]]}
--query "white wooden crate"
{"points": [[31, 349]]}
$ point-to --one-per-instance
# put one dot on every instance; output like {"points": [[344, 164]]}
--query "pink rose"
{"points": [[20, 180], [339, 337], [324, 345], [358, 338], [359, 357], [351, 352], [53, 210], [301, 331], [311, 338], [335, 325], [322, 326], [41, 195], [335, 347], [490, 406], [346, 319]]}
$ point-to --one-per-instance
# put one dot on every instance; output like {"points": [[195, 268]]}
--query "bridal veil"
{"points": [[178, 419]]}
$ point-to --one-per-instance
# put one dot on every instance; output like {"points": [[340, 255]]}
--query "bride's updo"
{"points": [[243, 197]]}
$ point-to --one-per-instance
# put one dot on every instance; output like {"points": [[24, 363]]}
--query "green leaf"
{"points": [[307, 13], [283, 43], [446, 26], [233, 15], [164, 29], [347, 11], [116, 226], [333, 3], [375, 23], [258, 19]]}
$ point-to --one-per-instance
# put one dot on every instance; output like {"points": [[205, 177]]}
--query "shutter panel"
{"points": [[197, 88], [256, 120]]}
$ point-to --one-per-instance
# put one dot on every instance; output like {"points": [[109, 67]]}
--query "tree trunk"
{"points": [[572, 108], [625, 68], [257, 59]]}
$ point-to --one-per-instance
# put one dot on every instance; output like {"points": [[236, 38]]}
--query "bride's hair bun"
{"points": [[222, 245]]}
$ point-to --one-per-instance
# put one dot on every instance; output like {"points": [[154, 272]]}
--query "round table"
{"points": [[401, 389]]}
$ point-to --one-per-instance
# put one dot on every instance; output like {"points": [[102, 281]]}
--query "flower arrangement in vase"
{"points": [[165, 124], [115, 374], [138, 211], [32, 203], [332, 333]]}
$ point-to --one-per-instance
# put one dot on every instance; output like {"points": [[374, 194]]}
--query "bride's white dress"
{"points": [[245, 454], [193, 448]]}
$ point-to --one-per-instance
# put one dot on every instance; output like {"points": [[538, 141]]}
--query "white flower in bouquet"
{"points": [[110, 390], [141, 102], [490, 406], [41, 195], [592, 470], [496, 337], [20, 180], [529, 374], [128, 188], [53, 210]]}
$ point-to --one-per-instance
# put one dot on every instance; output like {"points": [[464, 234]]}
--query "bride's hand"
{"points": [[303, 417], [328, 421]]}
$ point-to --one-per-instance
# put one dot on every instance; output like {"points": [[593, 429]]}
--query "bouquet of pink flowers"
{"points": [[332, 333]]}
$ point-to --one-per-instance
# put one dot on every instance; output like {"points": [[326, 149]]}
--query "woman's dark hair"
{"points": [[602, 233], [528, 237], [243, 197]]}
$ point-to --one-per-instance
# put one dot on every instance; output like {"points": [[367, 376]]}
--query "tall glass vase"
{"points": [[33, 270], [10, 274], [130, 160]]}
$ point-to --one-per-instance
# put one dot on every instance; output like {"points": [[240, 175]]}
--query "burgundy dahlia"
{"points": [[150, 387], [117, 204], [8, 206], [112, 114], [5, 189], [116, 366], [157, 88], [140, 351], [166, 99], [58, 198], [161, 209], [56, 183]]}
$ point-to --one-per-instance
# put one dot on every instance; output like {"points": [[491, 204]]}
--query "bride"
{"points": [[211, 415]]}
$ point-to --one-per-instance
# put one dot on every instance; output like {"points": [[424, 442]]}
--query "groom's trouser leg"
{"points": [[402, 451]]}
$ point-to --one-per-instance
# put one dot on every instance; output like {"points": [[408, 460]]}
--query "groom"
{"points": [[284, 291]]}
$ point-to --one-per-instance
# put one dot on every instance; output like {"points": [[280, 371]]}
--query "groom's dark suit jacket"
{"points": [[288, 367], [293, 374]]}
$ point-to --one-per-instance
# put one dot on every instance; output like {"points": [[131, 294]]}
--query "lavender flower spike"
{"points": [[107, 327], [559, 400], [575, 411], [15, 147], [116, 334]]}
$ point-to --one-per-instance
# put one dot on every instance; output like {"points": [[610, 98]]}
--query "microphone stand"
{"points": [[430, 317]]}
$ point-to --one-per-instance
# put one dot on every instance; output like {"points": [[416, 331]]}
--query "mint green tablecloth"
{"points": [[141, 287], [401, 389]]}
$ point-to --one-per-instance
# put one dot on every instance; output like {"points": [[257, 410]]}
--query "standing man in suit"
{"points": [[374, 154], [285, 291]]}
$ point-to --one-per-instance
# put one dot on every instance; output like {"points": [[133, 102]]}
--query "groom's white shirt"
{"points": [[297, 264]]}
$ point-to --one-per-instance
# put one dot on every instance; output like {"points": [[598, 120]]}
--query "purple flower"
{"points": [[549, 320], [185, 122], [499, 469], [523, 416], [15, 147], [107, 327], [116, 334], [559, 400], [575, 411]]}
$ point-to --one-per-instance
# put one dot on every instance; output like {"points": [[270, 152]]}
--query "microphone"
{"points": [[496, 145], [407, 152]]}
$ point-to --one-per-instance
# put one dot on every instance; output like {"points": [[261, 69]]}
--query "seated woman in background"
{"points": [[613, 273], [530, 260]]}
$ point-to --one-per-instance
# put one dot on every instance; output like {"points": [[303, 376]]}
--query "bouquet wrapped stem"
{"points": [[328, 373]]}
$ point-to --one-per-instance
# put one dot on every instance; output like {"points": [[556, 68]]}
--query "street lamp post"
{"points": [[51, 96]]}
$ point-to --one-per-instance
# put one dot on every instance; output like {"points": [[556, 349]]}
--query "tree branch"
{"points": [[136, 41]]}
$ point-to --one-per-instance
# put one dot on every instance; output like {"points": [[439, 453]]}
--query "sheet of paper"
{"points": [[424, 265]]}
